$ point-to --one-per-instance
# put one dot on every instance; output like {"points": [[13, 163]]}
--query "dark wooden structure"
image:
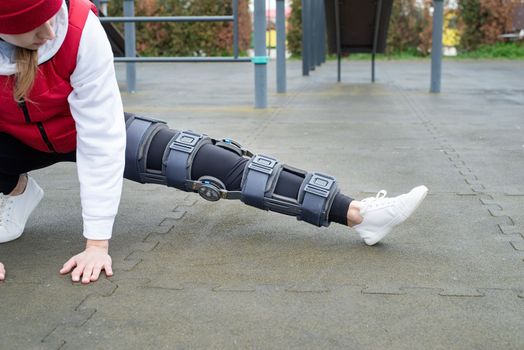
{"points": [[356, 26]]}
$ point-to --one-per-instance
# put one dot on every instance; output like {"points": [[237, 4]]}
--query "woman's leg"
{"points": [[19, 195], [192, 162], [16, 159]]}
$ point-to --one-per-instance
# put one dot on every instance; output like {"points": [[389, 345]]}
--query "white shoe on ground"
{"points": [[380, 214], [15, 210]]}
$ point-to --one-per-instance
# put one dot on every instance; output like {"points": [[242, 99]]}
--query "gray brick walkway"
{"points": [[193, 274]]}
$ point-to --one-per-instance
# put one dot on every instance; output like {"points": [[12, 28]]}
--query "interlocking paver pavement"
{"points": [[194, 274]]}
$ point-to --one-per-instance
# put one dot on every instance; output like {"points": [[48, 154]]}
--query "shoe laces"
{"points": [[373, 202]]}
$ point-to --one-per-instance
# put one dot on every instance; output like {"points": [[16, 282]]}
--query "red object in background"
{"points": [[272, 13]]}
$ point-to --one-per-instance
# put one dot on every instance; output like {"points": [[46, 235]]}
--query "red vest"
{"points": [[45, 123]]}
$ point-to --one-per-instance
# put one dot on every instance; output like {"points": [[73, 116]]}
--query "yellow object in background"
{"points": [[271, 38], [451, 35]]}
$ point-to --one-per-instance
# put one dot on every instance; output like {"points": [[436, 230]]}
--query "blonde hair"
{"points": [[26, 68]]}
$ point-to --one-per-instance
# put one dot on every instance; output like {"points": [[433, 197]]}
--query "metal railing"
{"points": [[313, 42], [260, 60]]}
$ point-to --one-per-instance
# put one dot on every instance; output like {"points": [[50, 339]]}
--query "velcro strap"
{"points": [[180, 158], [259, 171], [319, 193]]}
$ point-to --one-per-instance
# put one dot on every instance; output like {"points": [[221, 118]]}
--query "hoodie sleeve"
{"points": [[96, 106]]}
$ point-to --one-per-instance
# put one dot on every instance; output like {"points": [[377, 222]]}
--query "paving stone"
{"points": [[518, 245], [461, 292]]}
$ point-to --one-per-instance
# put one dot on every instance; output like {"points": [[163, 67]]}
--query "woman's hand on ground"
{"points": [[2, 272], [86, 266]]}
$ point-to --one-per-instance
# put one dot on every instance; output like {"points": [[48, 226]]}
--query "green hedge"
{"points": [[294, 28], [483, 21], [510, 50], [187, 39]]}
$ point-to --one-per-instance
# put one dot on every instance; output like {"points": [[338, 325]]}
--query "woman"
{"points": [[60, 102]]}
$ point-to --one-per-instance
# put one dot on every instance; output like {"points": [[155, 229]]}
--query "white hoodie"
{"points": [[96, 107]]}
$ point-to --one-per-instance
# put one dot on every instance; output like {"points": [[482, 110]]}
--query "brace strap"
{"points": [[259, 177], [318, 192], [182, 150]]}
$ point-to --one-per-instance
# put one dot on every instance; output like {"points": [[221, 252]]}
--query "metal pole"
{"points": [[235, 28], [190, 59], [313, 20], [184, 19], [305, 38], [318, 41], [323, 30], [268, 35], [103, 6], [375, 39], [281, 46], [436, 46], [260, 58], [337, 30], [311, 41], [130, 45]]}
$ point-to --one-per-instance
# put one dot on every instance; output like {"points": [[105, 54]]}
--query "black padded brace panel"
{"points": [[140, 131]]}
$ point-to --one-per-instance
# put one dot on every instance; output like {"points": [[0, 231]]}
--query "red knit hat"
{"points": [[22, 16]]}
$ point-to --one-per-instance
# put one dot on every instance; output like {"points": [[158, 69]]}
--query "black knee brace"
{"points": [[259, 179]]}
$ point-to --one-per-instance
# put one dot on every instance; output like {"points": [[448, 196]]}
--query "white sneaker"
{"points": [[15, 210], [381, 214]]}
